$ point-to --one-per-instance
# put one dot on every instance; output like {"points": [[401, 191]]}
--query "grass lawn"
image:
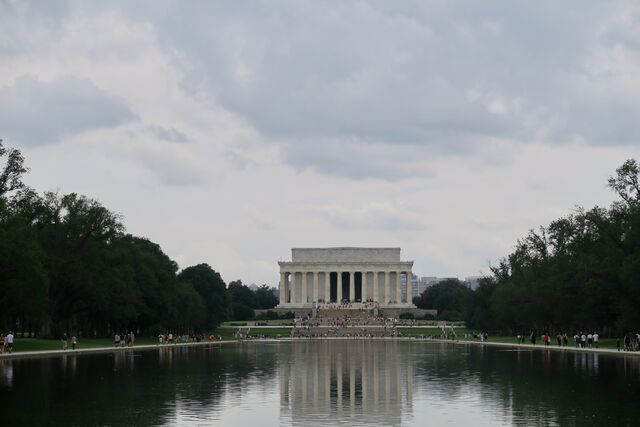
{"points": [[430, 330], [237, 323]]}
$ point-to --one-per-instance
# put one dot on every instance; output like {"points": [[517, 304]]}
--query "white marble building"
{"points": [[334, 275]]}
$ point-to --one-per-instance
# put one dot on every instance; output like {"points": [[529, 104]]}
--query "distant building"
{"points": [[422, 284], [472, 282], [442, 279], [253, 287]]}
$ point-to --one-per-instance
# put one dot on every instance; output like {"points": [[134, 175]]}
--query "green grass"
{"points": [[237, 323], [429, 330]]}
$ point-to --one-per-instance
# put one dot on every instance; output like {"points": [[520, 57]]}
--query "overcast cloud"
{"points": [[231, 131]]}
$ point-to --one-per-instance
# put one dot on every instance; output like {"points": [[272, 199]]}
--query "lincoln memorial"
{"points": [[345, 275]]}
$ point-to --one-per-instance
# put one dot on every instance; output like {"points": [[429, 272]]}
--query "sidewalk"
{"points": [[515, 346], [45, 353]]}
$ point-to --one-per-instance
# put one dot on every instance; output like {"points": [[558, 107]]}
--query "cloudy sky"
{"points": [[229, 132]]}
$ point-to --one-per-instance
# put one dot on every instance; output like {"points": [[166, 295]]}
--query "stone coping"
{"points": [[510, 346], [47, 353], [515, 346]]}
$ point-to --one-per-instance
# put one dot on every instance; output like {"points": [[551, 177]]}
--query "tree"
{"points": [[24, 283], [265, 297], [448, 297], [243, 301], [12, 171], [190, 309], [209, 284]]}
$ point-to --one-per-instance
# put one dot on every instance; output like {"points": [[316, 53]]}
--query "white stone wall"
{"points": [[345, 255]]}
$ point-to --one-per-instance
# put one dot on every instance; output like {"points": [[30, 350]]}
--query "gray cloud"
{"points": [[444, 76], [441, 76], [380, 216], [33, 112], [168, 134]]}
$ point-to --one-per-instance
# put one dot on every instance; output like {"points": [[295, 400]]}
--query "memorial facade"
{"points": [[345, 275]]}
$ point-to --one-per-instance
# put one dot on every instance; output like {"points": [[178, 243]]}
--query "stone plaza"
{"points": [[345, 275]]}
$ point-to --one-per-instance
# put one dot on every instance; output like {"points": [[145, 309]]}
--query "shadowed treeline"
{"points": [[580, 273], [67, 265]]}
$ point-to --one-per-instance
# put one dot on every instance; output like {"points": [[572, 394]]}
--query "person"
{"points": [[64, 341], [1, 343], [596, 339], [627, 342], [618, 343], [116, 340], [74, 342], [9, 342], [132, 339]]}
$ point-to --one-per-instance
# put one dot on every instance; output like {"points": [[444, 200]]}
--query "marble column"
{"points": [[352, 286], [339, 288], [409, 288], [376, 291], [398, 288], [387, 286], [327, 286], [283, 288], [292, 286], [363, 292], [315, 286], [303, 295]]}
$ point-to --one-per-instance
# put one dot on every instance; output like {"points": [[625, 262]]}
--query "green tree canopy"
{"points": [[448, 297], [209, 284]]}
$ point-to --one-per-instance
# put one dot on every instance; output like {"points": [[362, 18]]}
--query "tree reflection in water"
{"points": [[330, 382]]}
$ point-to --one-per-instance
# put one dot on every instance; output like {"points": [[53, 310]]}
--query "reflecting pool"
{"points": [[332, 382]]}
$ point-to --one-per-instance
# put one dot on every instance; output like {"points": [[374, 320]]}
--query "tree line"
{"points": [[581, 272], [68, 265]]}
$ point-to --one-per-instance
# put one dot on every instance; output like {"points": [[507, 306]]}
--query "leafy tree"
{"points": [[265, 297], [192, 314], [448, 297], [12, 170], [243, 301], [209, 284]]}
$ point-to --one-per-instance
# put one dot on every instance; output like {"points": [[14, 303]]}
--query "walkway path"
{"points": [[41, 353], [515, 346], [511, 346]]}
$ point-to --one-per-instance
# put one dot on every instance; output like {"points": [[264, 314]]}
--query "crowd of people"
{"points": [[360, 322], [124, 339], [170, 338], [631, 342], [580, 339]]}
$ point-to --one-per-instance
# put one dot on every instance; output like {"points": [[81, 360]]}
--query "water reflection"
{"points": [[346, 382], [355, 382]]}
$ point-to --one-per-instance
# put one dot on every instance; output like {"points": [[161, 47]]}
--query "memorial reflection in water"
{"points": [[355, 379]]}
